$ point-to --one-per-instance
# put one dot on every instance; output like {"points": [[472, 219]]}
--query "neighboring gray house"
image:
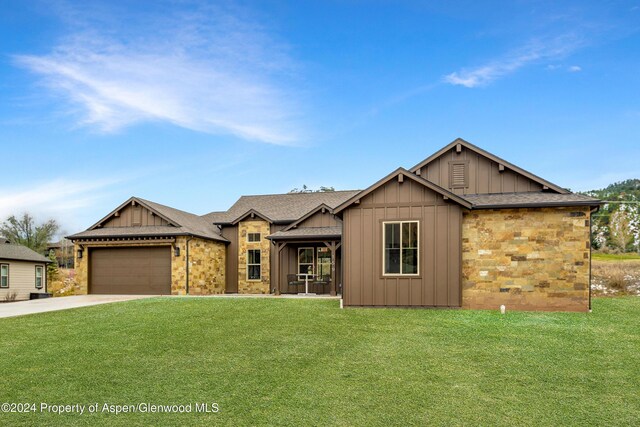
{"points": [[22, 271]]}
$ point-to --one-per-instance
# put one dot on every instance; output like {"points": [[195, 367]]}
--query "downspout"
{"points": [[187, 261], [591, 212]]}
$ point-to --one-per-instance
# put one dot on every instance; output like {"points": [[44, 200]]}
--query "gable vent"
{"points": [[458, 175]]}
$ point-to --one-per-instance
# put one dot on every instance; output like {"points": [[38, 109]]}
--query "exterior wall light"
{"points": [[176, 251], [80, 253]]}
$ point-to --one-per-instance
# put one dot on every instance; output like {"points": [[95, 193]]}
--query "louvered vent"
{"points": [[458, 175]]}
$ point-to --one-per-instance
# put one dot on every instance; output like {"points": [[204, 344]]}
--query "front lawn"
{"points": [[599, 256], [306, 362]]}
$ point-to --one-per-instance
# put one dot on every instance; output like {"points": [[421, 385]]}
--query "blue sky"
{"points": [[192, 103]]}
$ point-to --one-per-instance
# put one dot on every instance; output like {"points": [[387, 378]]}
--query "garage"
{"points": [[130, 270]]}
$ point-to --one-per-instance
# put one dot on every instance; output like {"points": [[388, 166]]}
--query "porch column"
{"points": [[332, 248]]}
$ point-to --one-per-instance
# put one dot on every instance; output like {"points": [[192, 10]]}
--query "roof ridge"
{"points": [[165, 206], [297, 193]]}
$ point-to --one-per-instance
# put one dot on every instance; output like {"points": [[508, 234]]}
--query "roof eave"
{"points": [[133, 236], [45, 261], [315, 237], [537, 205], [251, 212]]}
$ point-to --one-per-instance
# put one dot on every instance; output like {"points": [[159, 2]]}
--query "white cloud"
{"points": [[205, 70], [61, 199], [574, 69], [533, 52]]}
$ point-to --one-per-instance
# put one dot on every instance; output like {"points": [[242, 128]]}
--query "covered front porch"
{"points": [[305, 262]]}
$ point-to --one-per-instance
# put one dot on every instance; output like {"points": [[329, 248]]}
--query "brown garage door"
{"points": [[136, 271]]}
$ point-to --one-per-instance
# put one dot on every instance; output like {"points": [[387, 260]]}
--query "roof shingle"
{"points": [[312, 232], [531, 199], [280, 207], [20, 253], [185, 224]]}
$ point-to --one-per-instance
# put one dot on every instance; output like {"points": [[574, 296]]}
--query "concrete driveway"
{"points": [[21, 308]]}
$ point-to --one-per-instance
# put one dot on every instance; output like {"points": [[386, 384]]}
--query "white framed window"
{"points": [[400, 248], [4, 275], [39, 276], [324, 262], [253, 237], [253, 264], [305, 260]]}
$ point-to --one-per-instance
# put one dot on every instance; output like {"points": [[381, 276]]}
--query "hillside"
{"points": [[616, 227]]}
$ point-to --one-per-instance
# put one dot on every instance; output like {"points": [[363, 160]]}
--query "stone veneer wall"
{"points": [[526, 259], [81, 271], [254, 286], [206, 266]]}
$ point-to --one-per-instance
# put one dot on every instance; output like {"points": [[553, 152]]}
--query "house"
{"points": [[462, 228], [22, 271], [63, 252]]}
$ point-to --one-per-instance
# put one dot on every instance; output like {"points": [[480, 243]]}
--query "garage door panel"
{"points": [[139, 270]]}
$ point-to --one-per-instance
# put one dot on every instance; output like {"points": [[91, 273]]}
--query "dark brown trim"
{"points": [[8, 275], [303, 238], [145, 237], [35, 272], [308, 215], [490, 156], [446, 193], [252, 212], [535, 205]]}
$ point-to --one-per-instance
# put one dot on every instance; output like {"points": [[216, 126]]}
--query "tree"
{"points": [[306, 189], [24, 231], [52, 267], [621, 228]]}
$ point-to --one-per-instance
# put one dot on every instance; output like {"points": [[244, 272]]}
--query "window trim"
{"points": [[384, 232], [41, 277], [312, 263], [259, 279], [317, 261], [8, 275], [254, 241]]}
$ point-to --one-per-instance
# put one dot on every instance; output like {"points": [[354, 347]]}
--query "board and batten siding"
{"points": [[320, 219], [438, 283], [135, 216], [22, 279], [483, 174]]}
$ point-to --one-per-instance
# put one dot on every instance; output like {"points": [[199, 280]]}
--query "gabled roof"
{"points": [[142, 202], [406, 174], [252, 213], [529, 199], [10, 251], [181, 223], [490, 156], [309, 214], [280, 208]]}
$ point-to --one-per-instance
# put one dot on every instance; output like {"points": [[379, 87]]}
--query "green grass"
{"points": [[306, 362], [615, 257]]}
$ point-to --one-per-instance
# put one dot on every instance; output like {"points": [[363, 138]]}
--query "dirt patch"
{"points": [[615, 277], [64, 284]]}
